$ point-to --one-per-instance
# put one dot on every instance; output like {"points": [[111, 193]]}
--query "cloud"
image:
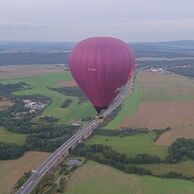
{"points": [[76, 19], [7, 26], [20, 24]]}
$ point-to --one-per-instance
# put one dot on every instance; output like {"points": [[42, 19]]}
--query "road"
{"points": [[62, 151]]}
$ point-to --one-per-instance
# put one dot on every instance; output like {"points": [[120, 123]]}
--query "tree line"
{"points": [[73, 92]]}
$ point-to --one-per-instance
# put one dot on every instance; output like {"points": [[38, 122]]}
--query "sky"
{"points": [[74, 20]]}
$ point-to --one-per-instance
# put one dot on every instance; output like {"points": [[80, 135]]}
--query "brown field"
{"points": [[159, 115], [28, 70], [4, 103], [12, 170], [67, 83], [165, 87], [170, 136]]}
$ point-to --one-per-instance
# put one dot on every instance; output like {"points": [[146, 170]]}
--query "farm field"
{"points": [[162, 87], [159, 101], [170, 136], [98, 179], [11, 137], [16, 71], [132, 145], [41, 84], [185, 168], [159, 115], [12, 170]]}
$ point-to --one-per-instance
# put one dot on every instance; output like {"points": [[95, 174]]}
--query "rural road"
{"points": [[62, 151]]}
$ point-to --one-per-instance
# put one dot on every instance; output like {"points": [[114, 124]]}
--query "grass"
{"points": [[101, 179], [12, 170], [129, 108], [11, 137], [41, 84], [132, 145], [185, 167]]}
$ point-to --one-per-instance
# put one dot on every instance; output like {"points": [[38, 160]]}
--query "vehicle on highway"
{"points": [[100, 117], [34, 171]]}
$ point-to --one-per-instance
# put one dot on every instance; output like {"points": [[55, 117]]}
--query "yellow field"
{"points": [[12, 170]]}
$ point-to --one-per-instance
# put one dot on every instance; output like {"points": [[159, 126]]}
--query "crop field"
{"points": [[159, 115], [165, 87], [101, 179], [11, 137], [16, 71], [185, 168], [165, 100], [40, 85], [167, 138], [132, 145], [155, 93], [12, 170]]}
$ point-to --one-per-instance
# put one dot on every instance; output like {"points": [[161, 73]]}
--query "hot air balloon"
{"points": [[101, 66]]}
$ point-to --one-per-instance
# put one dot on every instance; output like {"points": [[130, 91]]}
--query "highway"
{"points": [[62, 151]]}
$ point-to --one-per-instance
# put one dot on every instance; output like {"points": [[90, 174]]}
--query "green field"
{"points": [[40, 85], [185, 167], [132, 145], [129, 108], [94, 178], [11, 137]]}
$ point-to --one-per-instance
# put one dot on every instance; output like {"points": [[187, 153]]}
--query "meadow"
{"points": [[42, 85], [185, 168], [96, 178], [11, 137], [129, 108], [132, 145]]}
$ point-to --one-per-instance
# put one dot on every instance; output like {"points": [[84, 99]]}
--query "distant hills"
{"points": [[182, 48], [14, 53]]}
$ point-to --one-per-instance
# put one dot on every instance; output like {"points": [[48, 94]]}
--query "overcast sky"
{"points": [[73, 20]]}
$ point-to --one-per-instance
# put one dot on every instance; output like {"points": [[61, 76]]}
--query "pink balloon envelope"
{"points": [[101, 66]]}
